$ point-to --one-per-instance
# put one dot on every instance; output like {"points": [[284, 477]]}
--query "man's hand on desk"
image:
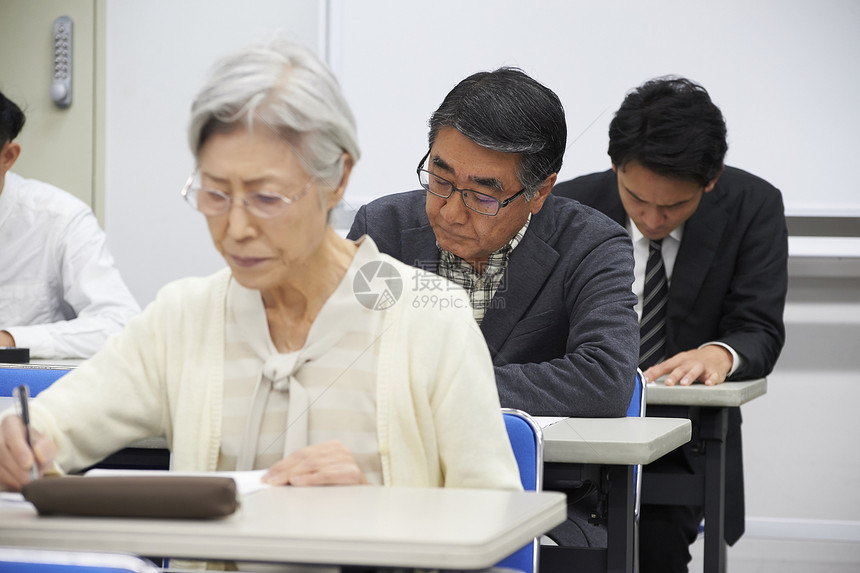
{"points": [[709, 364], [16, 458], [329, 463], [6, 339]]}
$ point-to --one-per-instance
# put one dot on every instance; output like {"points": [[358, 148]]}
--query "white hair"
{"points": [[283, 86]]}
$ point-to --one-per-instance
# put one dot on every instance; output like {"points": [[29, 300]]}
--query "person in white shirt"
{"points": [[61, 295]]}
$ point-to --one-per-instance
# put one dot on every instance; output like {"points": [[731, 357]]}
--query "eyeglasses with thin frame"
{"points": [[262, 204], [478, 202]]}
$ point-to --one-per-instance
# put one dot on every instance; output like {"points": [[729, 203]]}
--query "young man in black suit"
{"points": [[722, 235]]}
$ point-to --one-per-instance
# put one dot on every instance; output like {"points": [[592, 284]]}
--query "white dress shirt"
{"points": [[669, 250], [60, 294]]}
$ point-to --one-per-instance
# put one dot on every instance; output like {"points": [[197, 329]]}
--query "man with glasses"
{"points": [[718, 240], [549, 279]]}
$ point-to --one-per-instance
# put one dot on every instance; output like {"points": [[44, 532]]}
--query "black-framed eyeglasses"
{"points": [[262, 204], [478, 202]]}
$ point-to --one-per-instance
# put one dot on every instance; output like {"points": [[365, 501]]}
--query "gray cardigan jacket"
{"points": [[561, 328]]}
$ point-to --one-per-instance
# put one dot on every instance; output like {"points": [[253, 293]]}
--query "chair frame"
{"points": [[539, 445], [640, 380], [36, 376], [637, 488]]}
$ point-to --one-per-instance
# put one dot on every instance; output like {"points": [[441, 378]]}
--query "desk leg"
{"points": [[620, 519], [616, 488], [713, 428]]}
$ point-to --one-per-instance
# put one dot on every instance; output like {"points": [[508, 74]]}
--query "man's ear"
{"points": [[713, 181], [8, 156], [536, 202]]}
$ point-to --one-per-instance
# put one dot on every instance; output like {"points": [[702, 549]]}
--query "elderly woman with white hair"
{"points": [[312, 356]]}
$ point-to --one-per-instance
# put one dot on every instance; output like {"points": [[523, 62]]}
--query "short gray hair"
{"points": [[506, 110], [286, 87]]}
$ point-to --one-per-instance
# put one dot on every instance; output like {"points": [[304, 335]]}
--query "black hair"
{"points": [[670, 126], [11, 120], [506, 110]]}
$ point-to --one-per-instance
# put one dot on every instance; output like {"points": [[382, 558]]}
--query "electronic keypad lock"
{"points": [[61, 64]]}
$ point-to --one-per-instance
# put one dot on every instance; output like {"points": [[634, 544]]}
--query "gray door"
{"points": [[58, 144]]}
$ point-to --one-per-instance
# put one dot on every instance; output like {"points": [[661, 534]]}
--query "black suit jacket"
{"points": [[728, 284], [561, 327]]}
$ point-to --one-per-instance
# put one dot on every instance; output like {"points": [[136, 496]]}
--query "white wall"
{"points": [[784, 74], [800, 453], [158, 53], [801, 458], [782, 71]]}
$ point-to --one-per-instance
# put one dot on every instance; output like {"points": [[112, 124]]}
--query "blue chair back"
{"points": [[637, 410], [637, 403], [22, 560], [527, 442], [36, 377]]}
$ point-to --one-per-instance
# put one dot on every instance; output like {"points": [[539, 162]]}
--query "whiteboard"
{"points": [[784, 73]]}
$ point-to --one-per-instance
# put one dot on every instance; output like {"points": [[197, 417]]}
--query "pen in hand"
{"points": [[22, 401]]}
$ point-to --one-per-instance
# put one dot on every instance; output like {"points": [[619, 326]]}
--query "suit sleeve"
{"points": [[359, 225], [594, 377], [751, 319]]}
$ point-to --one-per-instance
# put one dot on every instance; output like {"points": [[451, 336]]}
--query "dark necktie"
{"points": [[652, 327]]}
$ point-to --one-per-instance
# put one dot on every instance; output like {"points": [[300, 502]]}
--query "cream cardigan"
{"points": [[438, 423]]}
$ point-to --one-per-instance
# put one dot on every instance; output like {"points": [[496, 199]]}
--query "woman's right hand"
{"points": [[16, 457], [328, 463]]}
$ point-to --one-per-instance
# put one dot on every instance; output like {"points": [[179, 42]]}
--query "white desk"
{"points": [[708, 490], [57, 362], [624, 441], [374, 526], [727, 394], [604, 451]]}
